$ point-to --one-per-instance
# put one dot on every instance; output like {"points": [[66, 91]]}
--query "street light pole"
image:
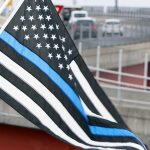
{"points": [[116, 6]]}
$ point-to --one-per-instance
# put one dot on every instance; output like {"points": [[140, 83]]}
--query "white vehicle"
{"points": [[112, 26], [78, 14]]}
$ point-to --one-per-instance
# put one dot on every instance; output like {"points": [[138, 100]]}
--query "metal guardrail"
{"points": [[122, 11], [117, 82], [120, 86], [120, 72]]}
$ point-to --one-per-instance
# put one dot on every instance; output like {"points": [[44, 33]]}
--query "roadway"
{"points": [[135, 31]]}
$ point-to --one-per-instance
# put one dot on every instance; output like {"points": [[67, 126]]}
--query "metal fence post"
{"points": [[119, 74], [72, 32], [98, 62], [81, 32], [145, 71], [80, 48], [90, 32], [120, 66]]}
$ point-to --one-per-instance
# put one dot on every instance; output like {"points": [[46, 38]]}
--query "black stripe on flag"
{"points": [[43, 52], [98, 90], [46, 82], [85, 99], [28, 66], [38, 100], [24, 112]]}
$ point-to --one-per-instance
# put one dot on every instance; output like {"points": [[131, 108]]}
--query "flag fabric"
{"points": [[45, 79]]}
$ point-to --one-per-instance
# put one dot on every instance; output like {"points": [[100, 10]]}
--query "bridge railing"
{"points": [[125, 93], [121, 87]]}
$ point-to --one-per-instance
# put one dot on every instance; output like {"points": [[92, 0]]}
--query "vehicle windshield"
{"points": [[85, 22], [80, 15], [113, 23]]}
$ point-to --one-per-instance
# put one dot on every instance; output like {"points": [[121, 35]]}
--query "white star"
{"points": [[28, 8], [27, 37], [66, 58], [40, 17], [57, 27], [51, 27], [45, 8], [22, 18], [63, 39], [43, 26], [31, 18], [50, 55], [63, 48], [70, 77], [16, 28], [70, 52], [38, 8], [48, 18], [58, 56], [24, 28], [47, 46], [36, 36], [68, 67], [45, 36], [53, 37], [33, 27], [61, 66], [56, 46], [38, 45]]}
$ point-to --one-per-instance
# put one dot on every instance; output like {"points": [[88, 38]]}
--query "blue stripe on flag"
{"points": [[102, 131], [44, 67], [113, 132]]}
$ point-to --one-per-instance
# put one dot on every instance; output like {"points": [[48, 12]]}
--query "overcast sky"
{"points": [[128, 3]]}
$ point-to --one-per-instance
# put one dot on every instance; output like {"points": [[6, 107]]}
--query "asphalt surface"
{"points": [[135, 31]]}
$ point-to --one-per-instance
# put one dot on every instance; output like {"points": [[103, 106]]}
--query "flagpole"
{"points": [[4, 6], [11, 16]]}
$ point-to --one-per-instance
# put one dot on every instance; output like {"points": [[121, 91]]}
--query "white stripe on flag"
{"points": [[33, 108], [89, 112], [90, 93], [55, 103]]}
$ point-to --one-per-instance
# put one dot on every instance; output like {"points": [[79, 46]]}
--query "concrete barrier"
{"points": [[132, 55], [137, 119]]}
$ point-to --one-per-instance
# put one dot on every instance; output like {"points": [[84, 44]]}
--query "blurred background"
{"points": [[113, 36]]}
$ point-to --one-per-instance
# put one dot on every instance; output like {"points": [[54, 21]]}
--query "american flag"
{"points": [[46, 80]]}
